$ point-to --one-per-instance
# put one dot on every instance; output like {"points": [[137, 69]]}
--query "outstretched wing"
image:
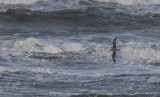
{"points": [[113, 56], [114, 43]]}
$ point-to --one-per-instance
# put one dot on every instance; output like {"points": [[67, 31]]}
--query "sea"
{"points": [[62, 48]]}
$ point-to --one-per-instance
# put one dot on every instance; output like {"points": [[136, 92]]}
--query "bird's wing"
{"points": [[114, 43], [113, 56]]}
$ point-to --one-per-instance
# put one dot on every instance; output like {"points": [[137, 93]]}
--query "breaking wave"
{"points": [[137, 50], [131, 51], [2, 69], [41, 70], [34, 45], [131, 2]]}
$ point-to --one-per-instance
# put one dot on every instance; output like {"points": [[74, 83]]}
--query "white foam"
{"points": [[139, 51], [73, 47], [52, 49], [27, 45], [100, 50], [131, 2], [34, 45], [2, 69], [130, 51], [94, 75], [154, 79], [19, 1], [64, 94], [41, 70]]}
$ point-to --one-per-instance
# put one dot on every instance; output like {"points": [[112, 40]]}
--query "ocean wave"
{"points": [[123, 2], [130, 2], [28, 14], [137, 50], [2, 69], [98, 16], [76, 6], [34, 45], [11, 2], [33, 70], [41, 70], [120, 95], [131, 51], [154, 80]]}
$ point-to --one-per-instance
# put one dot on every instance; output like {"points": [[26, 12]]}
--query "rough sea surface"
{"points": [[61, 48]]}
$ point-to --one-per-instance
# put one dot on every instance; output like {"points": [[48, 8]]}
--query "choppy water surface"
{"points": [[61, 48]]}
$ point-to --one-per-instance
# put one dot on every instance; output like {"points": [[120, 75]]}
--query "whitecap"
{"points": [[2, 69], [131, 2], [41, 70], [71, 46]]}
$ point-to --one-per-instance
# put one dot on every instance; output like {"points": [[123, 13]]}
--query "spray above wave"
{"points": [[13, 2], [131, 2]]}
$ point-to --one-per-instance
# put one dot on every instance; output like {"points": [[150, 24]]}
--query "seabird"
{"points": [[114, 49]]}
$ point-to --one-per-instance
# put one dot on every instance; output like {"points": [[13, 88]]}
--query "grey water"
{"points": [[61, 48]]}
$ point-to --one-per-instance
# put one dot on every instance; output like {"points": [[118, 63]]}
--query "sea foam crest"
{"points": [[19, 1], [2, 69], [140, 51], [131, 2], [73, 47], [41, 70], [34, 45], [27, 45]]}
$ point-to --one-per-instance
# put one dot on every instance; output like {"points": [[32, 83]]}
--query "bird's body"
{"points": [[114, 49]]}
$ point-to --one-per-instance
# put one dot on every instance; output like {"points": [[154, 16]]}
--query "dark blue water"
{"points": [[61, 48]]}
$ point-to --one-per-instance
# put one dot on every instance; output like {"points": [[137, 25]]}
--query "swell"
{"points": [[91, 16]]}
